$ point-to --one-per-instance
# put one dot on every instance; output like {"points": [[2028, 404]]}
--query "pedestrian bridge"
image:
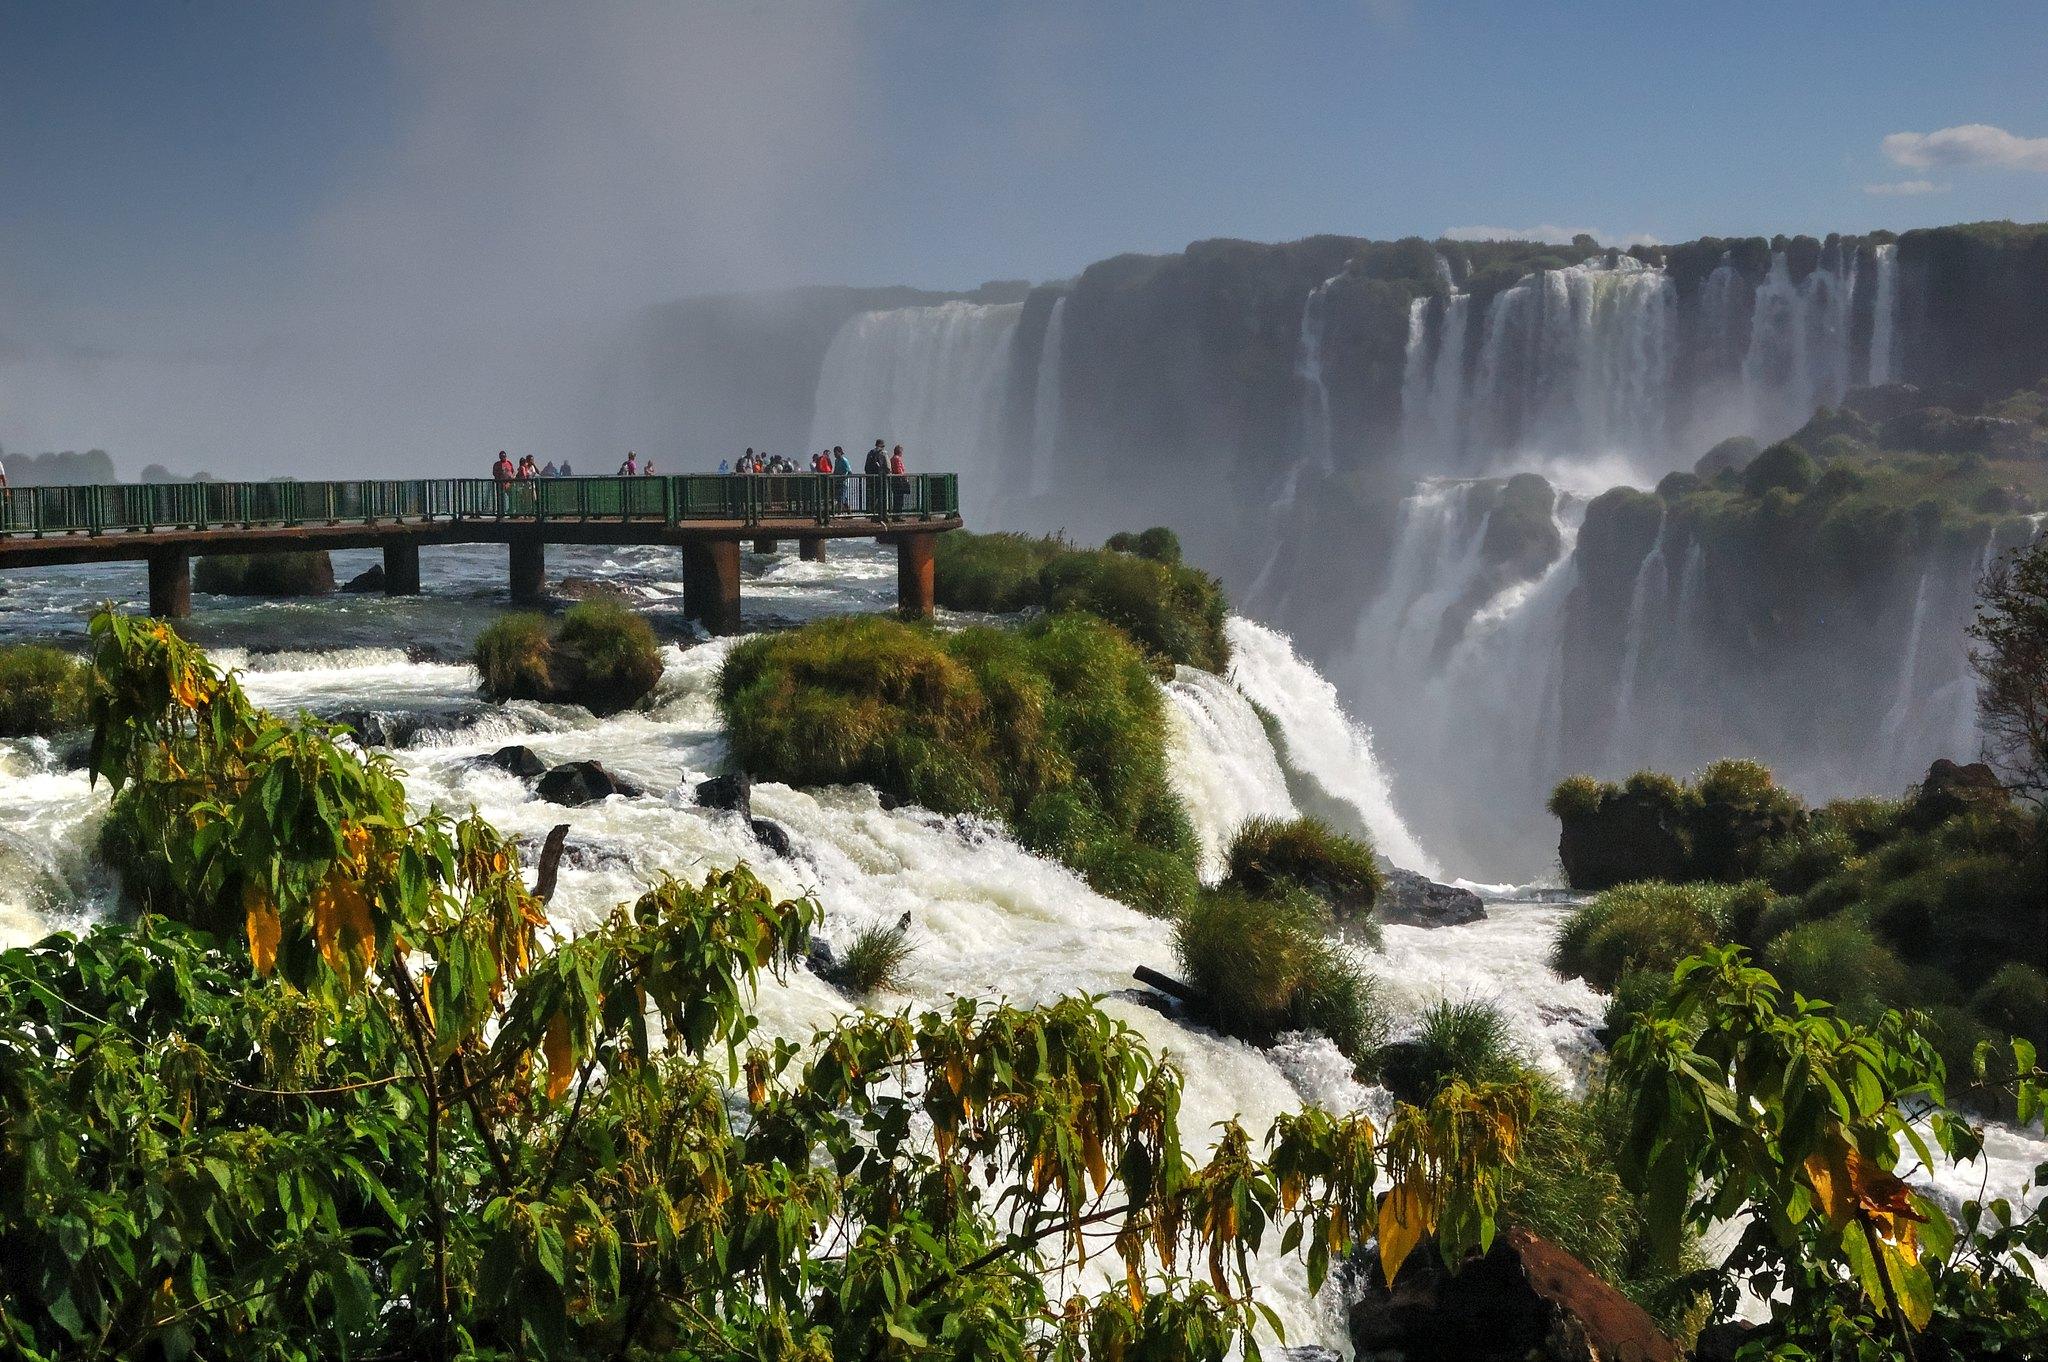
{"points": [[707, 516]]}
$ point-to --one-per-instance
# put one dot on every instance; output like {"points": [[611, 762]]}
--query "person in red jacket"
{"points": [[503, 471], [900, 471]]}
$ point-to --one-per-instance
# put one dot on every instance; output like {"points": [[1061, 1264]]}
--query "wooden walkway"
{"points": [[708, 516]]}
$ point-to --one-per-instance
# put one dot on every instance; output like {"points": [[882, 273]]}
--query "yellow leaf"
{"points": [[1828, 1174], [264, 928], [342, 928], [556, 1048], [1098, 1167], [1403, 1222]]}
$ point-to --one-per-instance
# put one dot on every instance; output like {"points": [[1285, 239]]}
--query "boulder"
{"points": [[1524, 1299], [1409, 899], [591, 589], [583, 782], [734, 793], [773, 836], [1951, 788], [371, 579], [1631, 836], [823, 960], [520, 761]]}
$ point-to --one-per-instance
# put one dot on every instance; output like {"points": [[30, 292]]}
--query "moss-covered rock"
{"points": [[1732, 455], [42, 691], [601, 656], [1784, 466], [1056, 728], [1652, 827], [307, 573]]}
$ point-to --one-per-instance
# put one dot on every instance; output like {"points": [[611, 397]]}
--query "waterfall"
{"points": [[1576, 364], [1652, 587], [1884, 365], [933, 379], [1909, 661], [1224, 766], [1799, 343], [1045, 402], [1433, 380], [1319, 739], [1308, 368]]}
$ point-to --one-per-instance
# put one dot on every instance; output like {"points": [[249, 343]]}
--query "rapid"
{"points": [[988, 918]]}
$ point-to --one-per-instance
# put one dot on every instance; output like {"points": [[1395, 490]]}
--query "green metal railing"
{"points": [[814, 497]]}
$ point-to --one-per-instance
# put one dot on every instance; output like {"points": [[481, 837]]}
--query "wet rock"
{"points": [[1951, 788], [1525, 1299], [376, 728], [1409, 899], [583, 782], [1721, 1342], [734, 793], [520, 761], [823, 960], [591, 589], [773, 836], [371, 579]]}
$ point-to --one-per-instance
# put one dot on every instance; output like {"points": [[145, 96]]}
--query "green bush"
{"points": [[602, 656], [997, 573], [1056, 727], [1159, 543], [1465, 1041], [1784, 466], [1732, 455], [874, 958], [309, 573], [1575, 797], [1269, 854], [1262, 966], [2015, 1002], [42, 691], [1648, 926], [1739, 811], [1838, 959], [1652, 827]]}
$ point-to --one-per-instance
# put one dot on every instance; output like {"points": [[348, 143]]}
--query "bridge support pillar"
{"points": [[402, 569], [811, 550], [529, 570], [914, 584], [767, 545], [711, 584], [170, 584]]}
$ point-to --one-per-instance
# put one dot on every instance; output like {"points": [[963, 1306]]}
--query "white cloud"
{"points": [[1971, 144], [1549, 231], [1903, 188]]}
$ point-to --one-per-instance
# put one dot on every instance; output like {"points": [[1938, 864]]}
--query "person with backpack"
{"points": [[548, 470], [874, 492], [901, 480], [631, 466]]}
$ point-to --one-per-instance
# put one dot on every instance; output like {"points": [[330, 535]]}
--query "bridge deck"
{"points": [[707, 515]]}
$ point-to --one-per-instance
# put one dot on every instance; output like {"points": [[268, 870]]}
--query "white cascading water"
{"points": [[932, 379], [1800, 343], [1433, 378], [1645, 603], [988, 918], [1317, 438], [1045, 403], [1884, 317]]}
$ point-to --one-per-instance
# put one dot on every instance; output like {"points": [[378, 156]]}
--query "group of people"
{"points": [[504, 472], [885, 475]]}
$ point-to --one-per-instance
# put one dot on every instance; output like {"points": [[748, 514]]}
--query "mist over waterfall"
{"points": [[932, 379]]}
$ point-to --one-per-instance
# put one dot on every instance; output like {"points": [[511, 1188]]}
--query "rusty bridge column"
{"points": [[914, 591], [402, 568], [711, 584], [170, 584], [529, 561], [812, 549]]}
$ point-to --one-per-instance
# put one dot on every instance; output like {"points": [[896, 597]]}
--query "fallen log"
{"points": [[1166, 983], [550, 861]]}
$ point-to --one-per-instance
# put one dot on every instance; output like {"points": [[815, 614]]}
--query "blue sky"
{"points": [[204, 177]]}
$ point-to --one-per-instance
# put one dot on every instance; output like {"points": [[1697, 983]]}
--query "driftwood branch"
{"points": [[550, 862], [1166, 983]]}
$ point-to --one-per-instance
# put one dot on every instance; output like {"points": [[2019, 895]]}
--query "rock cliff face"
{"points": [[1295, 410]]}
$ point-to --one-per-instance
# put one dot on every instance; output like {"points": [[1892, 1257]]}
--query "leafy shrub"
{"points": [[1653, 827], [42, 691], [874, 958], [1056, 727], [1270, 853], [1575, 797], [1838, 959], [602, 656], [307, 573], [1174, 613], [1732, 455], [1784, 467], [1159, 543], [2015, 1002], [991, 572], [1265, 965], [1644, 926], [1739, 810], [1465, 1042]]}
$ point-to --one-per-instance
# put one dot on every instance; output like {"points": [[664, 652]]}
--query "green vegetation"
{"points": [[602, 656], [1784, 465], [874, 958], [42, 691], [379, 1111], [1467, 1042], [1268, 855], [1648, 925], [309, 573], [1266, 964], [1055, 727], [1174, 612], [1653, 827], [2010, 657]]}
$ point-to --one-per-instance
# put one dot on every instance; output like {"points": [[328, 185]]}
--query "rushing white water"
{"points": [[1045, 402], [1319, 739], [1884, 317], [1799, 344], [1317, 440], [1646, 598], [933, 379], [1224, 767]]}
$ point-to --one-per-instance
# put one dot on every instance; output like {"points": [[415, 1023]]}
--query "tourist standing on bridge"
{"points": [[842, 474], [567, 471], [631, 466], [875, 494], [647, 469], [528, 469], [548, 470], [902, 482], [503, 471]]}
